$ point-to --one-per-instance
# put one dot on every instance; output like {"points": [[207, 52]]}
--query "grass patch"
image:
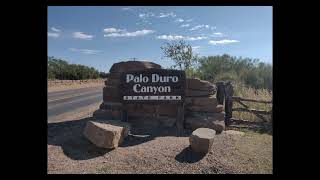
{"points": [[251, 93]]}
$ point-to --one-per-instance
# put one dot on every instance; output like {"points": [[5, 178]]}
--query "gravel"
{"points": [[163, 151]]}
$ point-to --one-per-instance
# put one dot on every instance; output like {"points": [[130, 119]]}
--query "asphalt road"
{"points": [[61, 102]]}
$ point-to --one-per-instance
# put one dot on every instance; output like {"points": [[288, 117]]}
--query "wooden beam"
{"points": [[252, 111], [237, 98]]}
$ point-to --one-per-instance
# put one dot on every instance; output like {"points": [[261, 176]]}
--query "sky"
{"points": [[98, 36]]}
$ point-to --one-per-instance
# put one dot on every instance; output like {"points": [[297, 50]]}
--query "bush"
{"points": [[60, 69], [243, 70]]}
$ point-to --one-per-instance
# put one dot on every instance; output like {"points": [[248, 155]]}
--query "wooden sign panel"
{"points": [[153, 86]]}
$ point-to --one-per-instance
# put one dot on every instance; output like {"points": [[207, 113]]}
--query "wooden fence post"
{"points": [[228, 102], [220, 92]]}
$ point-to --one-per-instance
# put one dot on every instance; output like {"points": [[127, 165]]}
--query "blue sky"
{"points": [[99, 36]]}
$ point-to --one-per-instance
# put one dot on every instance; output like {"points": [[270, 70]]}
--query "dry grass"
{"points": [[60, 85], [251, 93]]}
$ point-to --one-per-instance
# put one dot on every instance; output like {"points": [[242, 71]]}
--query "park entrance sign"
{"points": [[153, 85]]}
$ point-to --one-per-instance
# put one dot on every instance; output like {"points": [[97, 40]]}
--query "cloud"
{"points": [[81, 35], [179, 20], [195, 38], [218, 33], [54, 35], [170, 37], [130, 34], [199, 27], [189, 20], [146, 15], [185, 25], [85, 51], [224, 41], [163, 15], [55, 29], [179, 37], [113, 30]]}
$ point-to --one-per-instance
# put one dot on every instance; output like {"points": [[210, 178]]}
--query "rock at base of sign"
{"points": [[201, 140], [133, 66], [202, 101], [198, 93], [106, 134], [111, 105], [139, 109], [197, 84], [205, 120], [166, 121], [217, 125], [146, 121], [111, 91], [167, 110], [211, 109], [108, 114], [107, 98]]}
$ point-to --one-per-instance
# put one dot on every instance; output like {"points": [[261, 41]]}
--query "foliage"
{"points": [[60, 69], [181, 53], [243, 70]]}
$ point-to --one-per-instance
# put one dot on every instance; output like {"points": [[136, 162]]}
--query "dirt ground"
{"points": [[163, 151]]}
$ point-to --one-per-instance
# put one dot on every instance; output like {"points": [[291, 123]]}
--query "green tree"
{"points": [[182, 55]]}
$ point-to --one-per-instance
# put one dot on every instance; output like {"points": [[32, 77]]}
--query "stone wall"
{"points": [[201, 107]]}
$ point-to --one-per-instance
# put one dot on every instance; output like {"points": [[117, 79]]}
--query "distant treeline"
{"points": [[246, 71], [62, 70]]}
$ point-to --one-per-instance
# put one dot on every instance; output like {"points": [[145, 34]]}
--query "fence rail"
{"points": [[225, 94]]}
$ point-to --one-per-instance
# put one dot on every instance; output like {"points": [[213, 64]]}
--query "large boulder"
{"points": [[197, 84], [211, 109], [201, 140], [133, 66], [106, 134]]}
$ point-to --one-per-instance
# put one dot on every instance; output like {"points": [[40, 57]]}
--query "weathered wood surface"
{"points": [[237, 98], [220, 92], [228, 91], [253, 111], [235, 121]]}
